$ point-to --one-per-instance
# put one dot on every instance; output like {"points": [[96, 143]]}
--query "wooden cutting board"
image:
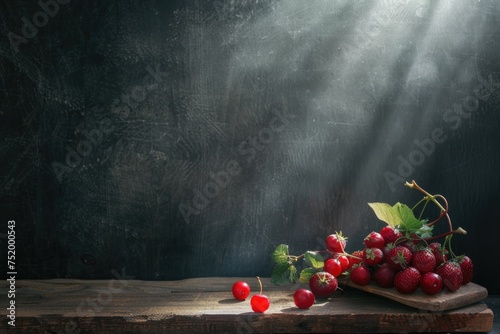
{"points": [[442, 301]]}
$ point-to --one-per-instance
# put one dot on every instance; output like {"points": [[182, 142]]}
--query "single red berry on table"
{"points": [[384, 276], [424, 260], [323, 284], [373, 256], [451, 273], [241, 290], [259, 303], [467, 267], [374, 239], [360, 275], [407, 280], [431, 283], [336, 243], [303, 298], [333, 266]]}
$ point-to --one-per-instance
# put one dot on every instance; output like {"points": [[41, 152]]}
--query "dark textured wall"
{"points": [[190, 138]]}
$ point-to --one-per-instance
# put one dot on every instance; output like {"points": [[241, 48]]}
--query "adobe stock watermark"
{"points": [[453, 119], [94, 137], [247, 150], [91, 306], [30, 28]]}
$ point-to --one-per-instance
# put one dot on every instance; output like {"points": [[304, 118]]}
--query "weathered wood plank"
{"points": [[444, 300], [205, 305]]}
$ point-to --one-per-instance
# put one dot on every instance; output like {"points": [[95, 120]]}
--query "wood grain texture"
{"points": [[206, 305], [445, 300]]}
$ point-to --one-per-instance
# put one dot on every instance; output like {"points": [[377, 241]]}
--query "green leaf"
{"points": [[306, 274], [411, 225], [280, 254], [399, 215], [425, 232], [387, 213], [284, 273], [314, 259], [402, 217], [409, 221], [281, 274]]}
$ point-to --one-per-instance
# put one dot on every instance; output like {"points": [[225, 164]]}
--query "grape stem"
{"points": [[444, 211], [447, 243], [428, 196], [446, 234]]}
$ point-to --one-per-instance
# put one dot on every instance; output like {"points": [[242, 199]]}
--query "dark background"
{"points": [[359, 84]]}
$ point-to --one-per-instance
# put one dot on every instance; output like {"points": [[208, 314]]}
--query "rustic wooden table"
{"points": [[206, 305]]}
